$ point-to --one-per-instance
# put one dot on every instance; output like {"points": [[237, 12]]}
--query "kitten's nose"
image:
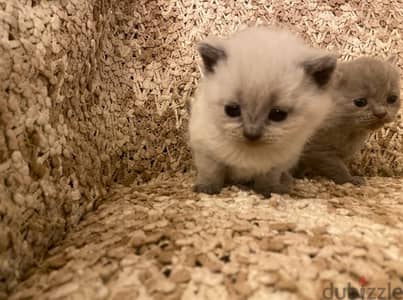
{"points": [[252, 135], [380, 114]]}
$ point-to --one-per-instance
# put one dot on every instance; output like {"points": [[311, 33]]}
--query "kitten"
{"points": [[366, 93], [264, 92]]}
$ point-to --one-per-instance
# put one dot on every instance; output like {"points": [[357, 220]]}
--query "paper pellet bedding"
{"points": [[93, 94]]}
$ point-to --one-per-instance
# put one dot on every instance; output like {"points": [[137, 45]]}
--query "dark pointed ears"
{"points": [[392, 59], [320, 69], [211, 55]]}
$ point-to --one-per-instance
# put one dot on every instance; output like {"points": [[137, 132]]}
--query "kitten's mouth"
{"points": [[377, 124], [253, 143]]}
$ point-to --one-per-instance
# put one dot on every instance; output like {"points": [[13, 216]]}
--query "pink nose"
{"points": [[380, 115]]}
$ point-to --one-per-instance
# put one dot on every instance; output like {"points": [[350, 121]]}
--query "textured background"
{"points": [[93, 93]]}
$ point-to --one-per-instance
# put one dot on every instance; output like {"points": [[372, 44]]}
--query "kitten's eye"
{"points": [[360, 102], [232, 110], [391, 99], [277, 115]]}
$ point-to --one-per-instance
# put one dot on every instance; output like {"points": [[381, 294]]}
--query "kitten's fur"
{"points": [[258, 69], [348, 126]]}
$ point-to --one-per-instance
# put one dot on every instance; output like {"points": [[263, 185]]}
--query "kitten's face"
{"points": [[371, 92], [262, 93], [261, 113], [251, 118]]}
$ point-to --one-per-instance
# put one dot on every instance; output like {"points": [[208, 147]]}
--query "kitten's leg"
{"points": [[299, 171], [334, 168], [274, 181], [287, 178], [358, 180], [210, 175]]}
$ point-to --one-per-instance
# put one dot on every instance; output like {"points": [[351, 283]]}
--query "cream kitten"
{"points": [[264, 92], [366, 93]]}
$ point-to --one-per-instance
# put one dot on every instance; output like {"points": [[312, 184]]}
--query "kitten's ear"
{"points": [[320, 69], [392, 59], [210, 55]]}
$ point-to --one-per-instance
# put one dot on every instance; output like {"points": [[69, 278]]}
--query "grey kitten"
{"points": [[264, 92], [366, 92]]}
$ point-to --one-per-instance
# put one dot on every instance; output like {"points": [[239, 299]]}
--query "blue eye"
{"points": [[360, 102], [232, 110]]}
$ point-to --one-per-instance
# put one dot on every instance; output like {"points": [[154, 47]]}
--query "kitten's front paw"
{"points": [[266, 188], [210, 189], [263, 189], [280, 189], [357, 180], [287, 179], [265, 192]]}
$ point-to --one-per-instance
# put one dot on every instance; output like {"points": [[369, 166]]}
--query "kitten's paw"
{"points": [[266, 193], [280, 189], [261, 188], [209, 189], [357, 180], [286, 179], [267, 190]]}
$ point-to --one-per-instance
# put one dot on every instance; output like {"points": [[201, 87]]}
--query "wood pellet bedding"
{"points": [[96, 174]]}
